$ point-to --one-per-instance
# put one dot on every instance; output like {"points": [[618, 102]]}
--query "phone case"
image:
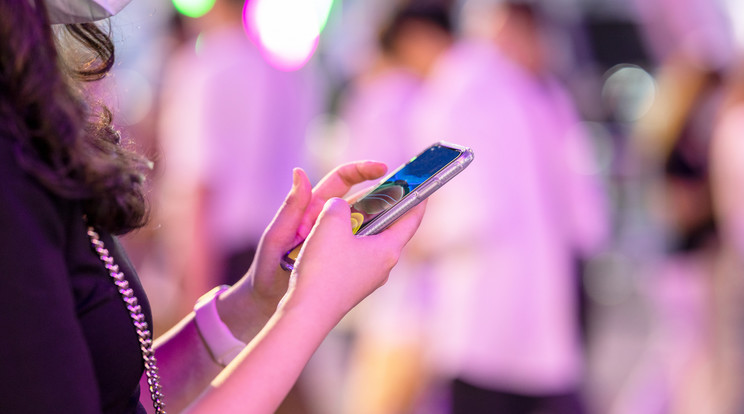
{"points": [[418, 195], [410, 200]]}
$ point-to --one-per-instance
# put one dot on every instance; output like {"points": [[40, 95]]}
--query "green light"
{"points": [[324, 10], [193, 8]]}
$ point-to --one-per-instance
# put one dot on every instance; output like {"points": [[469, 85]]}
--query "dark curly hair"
{"points": [[66, 142]]}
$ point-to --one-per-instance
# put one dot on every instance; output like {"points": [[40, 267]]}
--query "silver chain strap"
{"points": [[138, 318]]}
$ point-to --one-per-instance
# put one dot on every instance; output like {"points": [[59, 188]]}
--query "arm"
{"points": [[187, 368], [335, 271]]}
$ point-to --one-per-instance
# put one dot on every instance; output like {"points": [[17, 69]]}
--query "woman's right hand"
{"points": [[336, 270]]}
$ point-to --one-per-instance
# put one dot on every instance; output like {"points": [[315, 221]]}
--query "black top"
{"points": [[67, 343]]}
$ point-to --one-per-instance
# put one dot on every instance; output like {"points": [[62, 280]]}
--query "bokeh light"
{"points": [[286, 31], [628, 92], [322, 9], [193, 8]]}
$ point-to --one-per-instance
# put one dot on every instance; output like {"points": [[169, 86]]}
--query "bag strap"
{"points": [[138, 319]]}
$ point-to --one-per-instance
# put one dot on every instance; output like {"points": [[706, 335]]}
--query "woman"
{"points": [[69, 343]]}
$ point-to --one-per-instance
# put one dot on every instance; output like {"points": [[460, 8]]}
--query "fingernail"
{"points": [[335, 202], [295, 178]]}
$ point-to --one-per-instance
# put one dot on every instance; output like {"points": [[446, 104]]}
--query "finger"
{"points": [[336, 214], [336, 184], [398, 234], [339, 181], [282, 232], [335, 218]]}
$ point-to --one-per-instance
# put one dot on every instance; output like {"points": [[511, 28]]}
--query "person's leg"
{"points": [[469, 399], [571, 403]]}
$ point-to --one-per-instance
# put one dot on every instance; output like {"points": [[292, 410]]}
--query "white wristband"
{"points": [[220, 342]]}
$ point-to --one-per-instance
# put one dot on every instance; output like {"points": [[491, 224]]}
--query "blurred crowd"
{"points": [[590, 260]]}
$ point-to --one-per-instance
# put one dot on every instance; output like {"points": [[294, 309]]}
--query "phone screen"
{"points": [[406, 179]]}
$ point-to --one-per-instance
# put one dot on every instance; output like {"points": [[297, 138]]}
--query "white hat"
{"points": [[82, 11]]}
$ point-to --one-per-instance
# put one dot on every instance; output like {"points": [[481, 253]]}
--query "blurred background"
{"points": [[589, 260]]}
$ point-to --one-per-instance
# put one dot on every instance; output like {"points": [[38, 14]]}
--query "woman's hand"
{"points": [[265, 283], [336, 270]]}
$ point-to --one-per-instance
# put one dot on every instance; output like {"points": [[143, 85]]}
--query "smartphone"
{"points": [[401, 190]]}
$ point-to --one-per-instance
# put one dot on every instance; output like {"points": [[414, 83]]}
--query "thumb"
{"points": [[283, 229], [332, 226], [336, 215]]}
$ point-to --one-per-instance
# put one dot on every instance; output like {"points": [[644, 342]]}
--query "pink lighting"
{"points": [[286, 31]]}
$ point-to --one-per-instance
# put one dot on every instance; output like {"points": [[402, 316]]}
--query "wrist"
{"points": [[219, 340], [243, 311], [314, 308]]}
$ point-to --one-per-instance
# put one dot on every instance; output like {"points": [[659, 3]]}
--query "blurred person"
{"points": [[690, 361], [504, 247], [376, 104], [700, 29], [384, 370], [726, 176], [229, 121], [726, 168], [75, 319]]}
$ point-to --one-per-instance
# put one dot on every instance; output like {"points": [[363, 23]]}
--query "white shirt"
{"points": [[503, 234], [235, 125]]}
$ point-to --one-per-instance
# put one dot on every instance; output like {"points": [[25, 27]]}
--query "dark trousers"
{"points": [[469, 399]]}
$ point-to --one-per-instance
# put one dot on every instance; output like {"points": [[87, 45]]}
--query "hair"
{"points": [[434, 13], [68, 144]]}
